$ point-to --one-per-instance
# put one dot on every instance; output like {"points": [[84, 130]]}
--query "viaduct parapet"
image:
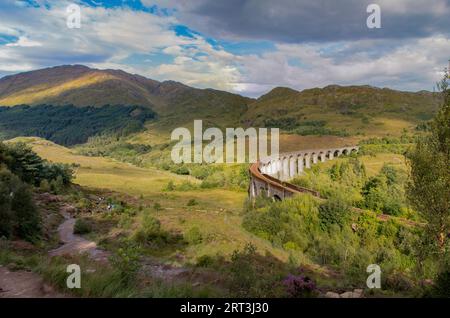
{"points": [[269, 176]]}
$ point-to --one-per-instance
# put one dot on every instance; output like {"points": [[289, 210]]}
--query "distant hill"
{"points": [[80, 86], [332, 110], [341, 109]]}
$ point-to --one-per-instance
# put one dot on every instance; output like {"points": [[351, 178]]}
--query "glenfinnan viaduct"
{"points": [[268, 177]]}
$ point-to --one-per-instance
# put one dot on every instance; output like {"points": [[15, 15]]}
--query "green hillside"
{"points": [[330, 111], [339, 110]]}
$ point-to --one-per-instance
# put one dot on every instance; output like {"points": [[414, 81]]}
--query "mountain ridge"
{"points": [[344, 109]]}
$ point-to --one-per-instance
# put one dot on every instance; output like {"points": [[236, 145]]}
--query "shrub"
{"points": [[204, 261], [45, 186], [299, 286], [149, 230], [441, 286], [18, 215], [126, 261], [157, 206], [82, 227], [192, 202], [243, 276], [193, 236], [170, 186], [333, 211]]}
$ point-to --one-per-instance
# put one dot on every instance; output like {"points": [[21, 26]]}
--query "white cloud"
{"points": [[108, 36], [24, 42]]}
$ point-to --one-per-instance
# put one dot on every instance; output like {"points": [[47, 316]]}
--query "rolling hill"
{"points": [[81, 86], [333, 110], [347, 110]]}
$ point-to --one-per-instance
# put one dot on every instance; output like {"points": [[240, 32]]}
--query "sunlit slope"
{"points": [[218, 211], [346, 110], [79, 85], [333, 110]]}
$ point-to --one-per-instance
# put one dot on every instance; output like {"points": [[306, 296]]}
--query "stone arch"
{"points": [[262, 191], [322, 156], [276, 197]]}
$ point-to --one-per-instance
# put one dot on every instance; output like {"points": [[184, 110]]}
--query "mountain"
{"points": [[343, 110], [80, 86], [332, 110]]}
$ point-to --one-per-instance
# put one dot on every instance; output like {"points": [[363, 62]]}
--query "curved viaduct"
{"points": [[268, 176]]}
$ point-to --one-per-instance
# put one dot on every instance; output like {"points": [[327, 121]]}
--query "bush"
{"points": [[170, 186], [334, 211], [45, 186], [18, 215], [82, 227], [300, 286], [126, 261], [192, 202], [149, 230], [204, 261], [441, 286], [193, 236]]}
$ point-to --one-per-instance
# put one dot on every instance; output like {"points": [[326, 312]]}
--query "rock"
{"points": [[348, 294], [331, 295], [196, 284], [358, 293], [47, 289], [354, 227], [69, 209], [48, 198]]}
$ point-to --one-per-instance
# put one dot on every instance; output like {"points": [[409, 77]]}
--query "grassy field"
{"points": [[217, 212]]}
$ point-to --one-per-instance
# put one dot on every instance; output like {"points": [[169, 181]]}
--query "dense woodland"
{"points": [[70, 125], [21, 171]]}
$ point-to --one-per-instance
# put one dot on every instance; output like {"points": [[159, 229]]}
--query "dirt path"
{"points": [[74, 244], [23, 284], [26, 284]]}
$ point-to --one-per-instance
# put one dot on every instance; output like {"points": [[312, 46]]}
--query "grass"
{"points": [[217, 212], [217, 215]]}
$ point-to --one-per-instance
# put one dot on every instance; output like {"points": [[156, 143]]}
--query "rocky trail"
{"points": [[26, 284], [75, 244]]}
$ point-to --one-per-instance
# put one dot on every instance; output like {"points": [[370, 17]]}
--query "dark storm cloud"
{"points": [[320, 20]]}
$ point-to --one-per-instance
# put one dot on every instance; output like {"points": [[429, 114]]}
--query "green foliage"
{"points": [[25, 163], [157, 206], [250, 274], [429, 185], [170, 186], [204, 261], [115, 146], [193, 236], [126, 262], [385, 192], [70, 125], [372, 146], [19, 216], [441, 286], [334, 211], [82, 226], [150, 229], [150, 233], [192, 202], [330, 234]]}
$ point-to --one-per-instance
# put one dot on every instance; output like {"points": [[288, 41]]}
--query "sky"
{"points": [[241, 46]]}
